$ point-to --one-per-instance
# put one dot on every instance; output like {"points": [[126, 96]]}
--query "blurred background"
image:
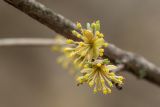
{"points": [[30, 76]]}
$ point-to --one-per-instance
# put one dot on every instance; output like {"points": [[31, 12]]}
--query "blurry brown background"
{"points": [[30, 77]]}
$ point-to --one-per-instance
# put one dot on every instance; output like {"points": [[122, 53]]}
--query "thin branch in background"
{"points": [[29, 42], [133, 63]]}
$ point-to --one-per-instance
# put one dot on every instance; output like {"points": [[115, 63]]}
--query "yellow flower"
{"points": [[99, 75], [91, 45]]}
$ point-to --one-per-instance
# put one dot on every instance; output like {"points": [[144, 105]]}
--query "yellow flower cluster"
{"points": [[86, 55], [91, 46], [99, 74]]}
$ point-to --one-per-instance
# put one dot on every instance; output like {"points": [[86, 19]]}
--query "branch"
{"points": [[29, 42], [135, 64]]}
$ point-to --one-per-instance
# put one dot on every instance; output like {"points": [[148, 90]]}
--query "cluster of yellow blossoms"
{"points": [[97, 74], [91, 45], [86, 55]]}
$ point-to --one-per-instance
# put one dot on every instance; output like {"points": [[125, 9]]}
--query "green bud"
{"points": [[97, 27]]}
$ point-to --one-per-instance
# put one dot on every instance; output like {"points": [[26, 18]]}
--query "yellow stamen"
{"points": [[78, 35], [100, 54], [91, 83], [79, 26], [99, 64], [101, 50], [105, 44], [81, 43], [69, 41]]}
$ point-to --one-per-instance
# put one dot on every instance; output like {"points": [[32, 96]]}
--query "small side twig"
{"points": [[29, 42]]}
